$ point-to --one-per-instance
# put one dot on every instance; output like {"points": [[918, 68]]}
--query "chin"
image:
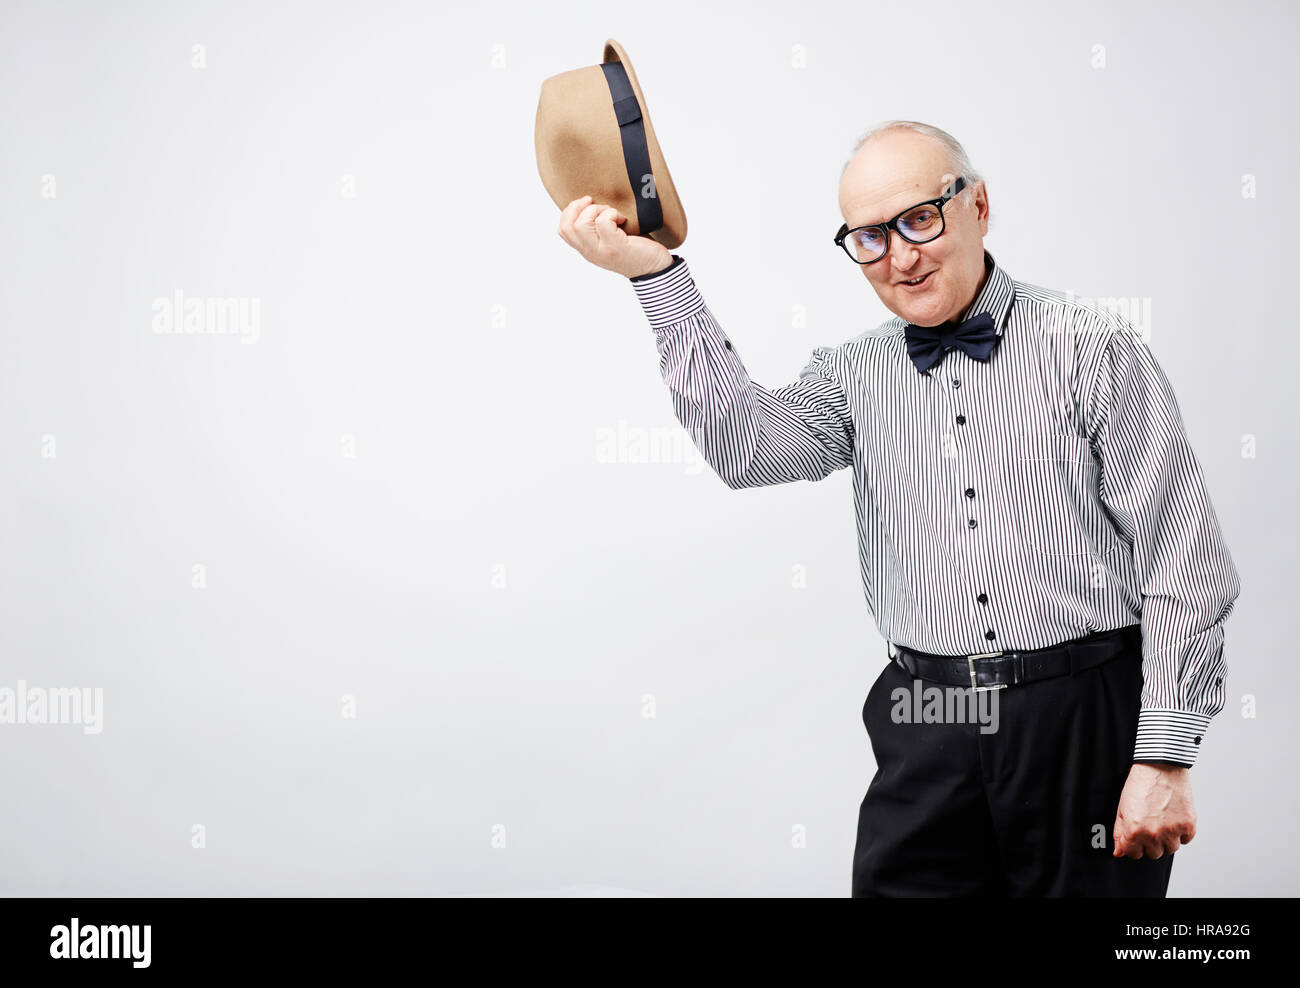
{"points": [[925, 314]]}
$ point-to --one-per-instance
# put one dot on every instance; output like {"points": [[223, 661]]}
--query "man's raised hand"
{"points": [[592, 229]]}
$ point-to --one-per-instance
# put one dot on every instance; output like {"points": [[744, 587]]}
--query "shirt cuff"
{"points": [[668, 296], [677, 259], [1170, 736]]}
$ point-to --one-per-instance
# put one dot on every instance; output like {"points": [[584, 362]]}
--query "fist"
{"points": [[1156, 815], [593, 230]]}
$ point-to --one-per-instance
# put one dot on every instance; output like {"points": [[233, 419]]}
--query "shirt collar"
{"points": [[995, 297]]}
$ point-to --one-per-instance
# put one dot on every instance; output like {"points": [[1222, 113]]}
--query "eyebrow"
{"points": [[899, 213]]}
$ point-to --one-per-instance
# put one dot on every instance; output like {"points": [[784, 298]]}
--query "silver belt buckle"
{"points": [[970, 664]]}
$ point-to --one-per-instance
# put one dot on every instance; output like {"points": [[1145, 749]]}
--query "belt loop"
{"points": [[1073, 653]]}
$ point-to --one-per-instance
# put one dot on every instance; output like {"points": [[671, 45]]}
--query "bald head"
{"points": [[898, 165]]}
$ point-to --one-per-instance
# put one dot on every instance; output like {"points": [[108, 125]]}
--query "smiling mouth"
{"points": [[918, 282]]}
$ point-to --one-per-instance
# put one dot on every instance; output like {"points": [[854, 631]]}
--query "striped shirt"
{"points": [[1017, 503]]}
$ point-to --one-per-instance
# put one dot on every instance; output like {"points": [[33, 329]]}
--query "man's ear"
{"points": [[981, 199]]}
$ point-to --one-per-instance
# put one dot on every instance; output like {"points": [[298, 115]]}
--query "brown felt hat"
{"points": [[594, 137]]}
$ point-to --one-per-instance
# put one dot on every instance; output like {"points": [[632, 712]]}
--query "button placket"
{"points": [[983, 618]]}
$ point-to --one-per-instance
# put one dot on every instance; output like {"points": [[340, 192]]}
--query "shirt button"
{"points": [[961, 419], [971, 523], [970, 491], [989, 634], [983, 598], [956, 383]]}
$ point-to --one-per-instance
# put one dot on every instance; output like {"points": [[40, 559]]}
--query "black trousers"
{"points": [[1027, 810]]}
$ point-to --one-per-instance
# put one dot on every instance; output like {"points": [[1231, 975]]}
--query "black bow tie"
{"points": [[926, 345]]}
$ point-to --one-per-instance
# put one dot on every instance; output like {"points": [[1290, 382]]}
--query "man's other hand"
{"points": [[1156, 815]]}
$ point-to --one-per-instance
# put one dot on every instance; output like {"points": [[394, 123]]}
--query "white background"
{"points": [[438, 319]]}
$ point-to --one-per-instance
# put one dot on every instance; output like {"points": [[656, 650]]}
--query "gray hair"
{"points": [[956, 153]]}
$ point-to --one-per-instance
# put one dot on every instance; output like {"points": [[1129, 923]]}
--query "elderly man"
{"points": [[1033, 525]]}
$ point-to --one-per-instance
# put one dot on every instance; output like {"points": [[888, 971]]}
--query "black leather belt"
{"points": [[998, 670]]}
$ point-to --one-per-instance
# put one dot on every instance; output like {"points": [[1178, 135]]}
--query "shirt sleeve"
{"points": [[750, 435], [1154, 488]]}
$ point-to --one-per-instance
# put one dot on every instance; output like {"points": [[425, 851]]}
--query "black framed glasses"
{"points": [[917, 224]]}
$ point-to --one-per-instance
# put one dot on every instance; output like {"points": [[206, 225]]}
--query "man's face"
{"points": [[897, 169]]}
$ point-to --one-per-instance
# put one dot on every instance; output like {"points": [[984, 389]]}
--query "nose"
{"points": [[902, 255]]}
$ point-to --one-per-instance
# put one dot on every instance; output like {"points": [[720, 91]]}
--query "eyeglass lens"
{"points": [[918, 225]]}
